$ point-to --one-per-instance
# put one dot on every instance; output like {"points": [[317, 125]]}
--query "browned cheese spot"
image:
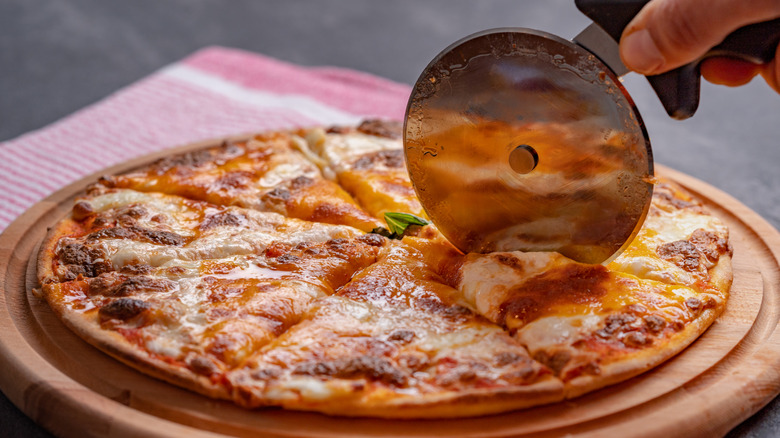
{"points": [[136, 269], [100, 222], [694, 304], [105, 284], [555, 360], [189, 160], [575, 283], [509, 260], [277, 198], [203, 365], [223, 219], [414, 360], [381, 128], [233, 180], [339, 130], [636, 339], [161, 237], [79, 259], [401, 336], [266, 373], [135, 285], [300, 182], [130, 214], [113, 284], [370, 367], [392, 159], [682, 253], [654, 323], [710, 244], [372, 239], [108, 181], [73, 254], [82, 210], [665, 193], [287, 260], [122, 309], [615, 324], [158, 237], [505, 358]]}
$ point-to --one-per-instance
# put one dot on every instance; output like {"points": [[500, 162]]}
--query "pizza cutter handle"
{"points": [[679, 89]]}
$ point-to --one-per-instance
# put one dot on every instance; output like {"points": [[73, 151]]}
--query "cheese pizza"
{"points": [[260, 272]]}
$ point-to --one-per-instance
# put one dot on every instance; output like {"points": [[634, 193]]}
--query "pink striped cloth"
{"points": [[213, 93]]}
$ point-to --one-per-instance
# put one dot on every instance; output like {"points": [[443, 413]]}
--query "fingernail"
{"points": [[640, 52]]}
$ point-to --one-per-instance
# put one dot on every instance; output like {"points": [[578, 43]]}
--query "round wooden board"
{"points": [[74, 390]]}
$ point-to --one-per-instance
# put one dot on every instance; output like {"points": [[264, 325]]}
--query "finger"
{"points": [[771, 71], [728, 71], [669, 33]]}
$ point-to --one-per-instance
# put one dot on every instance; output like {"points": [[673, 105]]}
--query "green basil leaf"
{"points": [[399, 222]]}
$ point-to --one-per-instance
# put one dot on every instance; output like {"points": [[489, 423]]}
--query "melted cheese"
{"points": [[302, 146], [552, 331], [435, 343], [340, 150], [284, 172], [168, 345], [178, 214], [486, 281], [652, 268], [680, 224]]}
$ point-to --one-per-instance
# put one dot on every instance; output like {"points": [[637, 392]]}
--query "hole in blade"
{"points": [[523, 159]]}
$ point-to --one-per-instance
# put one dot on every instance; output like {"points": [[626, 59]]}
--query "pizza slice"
{"points": [[190, 321], [391, 343], [595, 325], [111, 228], [368, 162], [590, 325], [264, 173]]}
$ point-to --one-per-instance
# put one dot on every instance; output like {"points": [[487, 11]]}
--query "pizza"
{"points": [[262, 272]]}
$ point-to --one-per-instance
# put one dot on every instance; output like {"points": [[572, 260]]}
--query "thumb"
{"points": [[669, 33], [771, 72]]}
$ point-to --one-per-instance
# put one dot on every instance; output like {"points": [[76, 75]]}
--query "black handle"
{"points": [[679, 89]]}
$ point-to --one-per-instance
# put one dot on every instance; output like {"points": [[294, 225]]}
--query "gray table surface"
{"points": [[57, 56]]}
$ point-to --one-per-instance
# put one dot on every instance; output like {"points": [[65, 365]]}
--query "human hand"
{"points": [[669, 33]]}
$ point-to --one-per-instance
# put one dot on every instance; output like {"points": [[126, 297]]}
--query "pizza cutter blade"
{"points": [[516, 139]]}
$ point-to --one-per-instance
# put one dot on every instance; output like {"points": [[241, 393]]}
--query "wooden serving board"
{"points": [[74, 390]]}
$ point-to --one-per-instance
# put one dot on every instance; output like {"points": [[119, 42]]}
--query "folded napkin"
{"points": [[213, 93]]}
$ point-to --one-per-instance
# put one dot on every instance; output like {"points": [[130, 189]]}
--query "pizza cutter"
{"points": [[516, 139]]}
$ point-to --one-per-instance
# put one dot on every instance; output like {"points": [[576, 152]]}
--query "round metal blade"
{"points": [[516, 139]]}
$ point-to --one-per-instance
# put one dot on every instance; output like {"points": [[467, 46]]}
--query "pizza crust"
{"points": [[449, 405], [46, 255]]}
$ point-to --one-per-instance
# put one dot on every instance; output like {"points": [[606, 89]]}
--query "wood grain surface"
{"points": [[74, 390]]}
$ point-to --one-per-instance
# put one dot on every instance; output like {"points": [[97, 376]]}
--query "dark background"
{"points": [[58, 56]]}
